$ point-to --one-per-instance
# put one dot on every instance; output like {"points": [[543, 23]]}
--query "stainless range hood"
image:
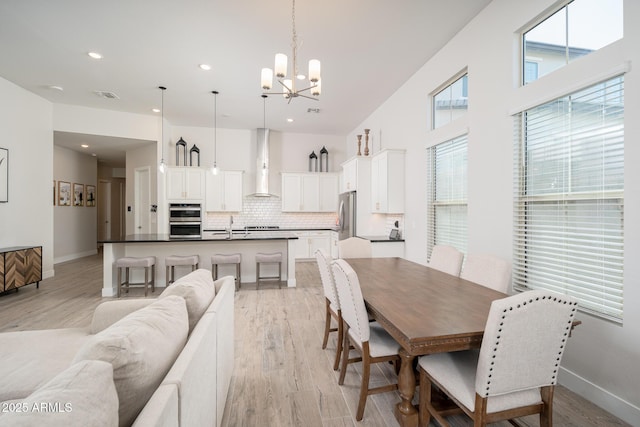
{"points": [[262, 163]]}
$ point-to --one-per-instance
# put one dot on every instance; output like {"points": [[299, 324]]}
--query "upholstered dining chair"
{"points": [[332, 304], [354, 247], [516, 369], [487, 270], [373, 343], [447, 259]]}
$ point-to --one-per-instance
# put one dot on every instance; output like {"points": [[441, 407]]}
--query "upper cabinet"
{"points": [[185, 183], [224, 192], [387, 182], [309, 192], [354, 173]]}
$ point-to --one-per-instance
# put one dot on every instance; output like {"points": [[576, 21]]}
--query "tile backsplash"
{"points": [[267, 211]]}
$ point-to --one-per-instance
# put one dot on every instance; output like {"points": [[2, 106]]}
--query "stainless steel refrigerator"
{"points": [[347, 215]]}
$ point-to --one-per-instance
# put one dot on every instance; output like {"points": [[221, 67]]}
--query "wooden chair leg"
{"points": [[364, 387], [119, 281], [327, 324], [153, 278], [546, 416], [424, 416], [279, 275], [146, 281], [345, 353], [126, 278], [339, 342]]}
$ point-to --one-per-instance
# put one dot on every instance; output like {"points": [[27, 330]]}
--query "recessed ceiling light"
{"points": [[54, 87], [84, 146], [95, 55], [290, 120], [155, 110], [205, 67]]}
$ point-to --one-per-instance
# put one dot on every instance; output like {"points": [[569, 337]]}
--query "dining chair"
{"points": [[516, 369], [332, 304], [354, 247], [487, 270], [373, 343], [447, 259]]}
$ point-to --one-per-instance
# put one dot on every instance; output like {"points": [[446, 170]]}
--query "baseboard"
{"points": [[72, 257], [597, 395]]}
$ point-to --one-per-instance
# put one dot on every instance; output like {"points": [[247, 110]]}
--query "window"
{"points": [[579, 28], [447, 194], [450, 103], [569, 197]]}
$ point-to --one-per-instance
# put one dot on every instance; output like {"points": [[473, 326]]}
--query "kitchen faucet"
{"points": [[230, 226]]}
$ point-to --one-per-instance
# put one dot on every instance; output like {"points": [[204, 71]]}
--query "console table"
{"points": [[20, 266]]}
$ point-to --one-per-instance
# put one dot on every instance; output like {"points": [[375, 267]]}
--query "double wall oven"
{"points": [[185, 220]]}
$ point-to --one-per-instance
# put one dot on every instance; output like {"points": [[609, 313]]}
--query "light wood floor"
{"points": [[282, 377]]}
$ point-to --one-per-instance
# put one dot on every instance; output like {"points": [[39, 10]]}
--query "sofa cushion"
{"points": [[109, 312], [197, 289], [82, 395], [31, 358], [142, 346]]}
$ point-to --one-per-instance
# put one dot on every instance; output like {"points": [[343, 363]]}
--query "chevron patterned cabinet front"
{"points": [[20, 266]]}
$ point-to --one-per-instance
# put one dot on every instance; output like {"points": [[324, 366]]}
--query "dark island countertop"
{"points": [[210, 237], [377, 239]]}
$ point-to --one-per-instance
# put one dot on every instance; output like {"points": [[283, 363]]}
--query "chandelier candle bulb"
{"points": [[266, 79], [314, 70], [281, 65]]}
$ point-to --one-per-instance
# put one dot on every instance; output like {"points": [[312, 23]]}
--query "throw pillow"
{"points": [[141, 347], [197, 289], [83, 395]]}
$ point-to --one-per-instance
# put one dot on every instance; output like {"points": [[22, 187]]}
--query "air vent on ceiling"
{"points": [[106, 94], [313, 110]]}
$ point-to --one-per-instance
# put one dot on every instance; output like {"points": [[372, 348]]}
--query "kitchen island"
{"points": [[161, 246]]}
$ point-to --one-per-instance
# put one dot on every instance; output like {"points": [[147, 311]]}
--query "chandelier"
{"points": [[289, 90]]}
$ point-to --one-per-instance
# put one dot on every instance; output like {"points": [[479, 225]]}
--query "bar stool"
{"points": [[148, 263], [179, 260], [218, 259], [262, 258]]}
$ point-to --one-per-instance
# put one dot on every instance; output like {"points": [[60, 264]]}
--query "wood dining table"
{"points": [[426, 311]]}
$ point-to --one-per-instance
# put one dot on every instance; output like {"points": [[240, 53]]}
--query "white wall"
{"points": [[27, 219], [601, 359], [74, 226]]}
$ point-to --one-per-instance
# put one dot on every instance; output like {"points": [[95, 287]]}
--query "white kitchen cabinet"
{"points": [[334, 244], [310, 241], [387, 182], [356, 173], [185, 183], [224, 192], [309, 192]]}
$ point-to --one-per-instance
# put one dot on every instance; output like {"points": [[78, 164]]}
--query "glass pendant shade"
{"points": [[281, 65], [266, 78], [314, 70]]}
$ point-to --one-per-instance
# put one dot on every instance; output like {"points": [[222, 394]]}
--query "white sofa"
{"points": [[142, 362]]}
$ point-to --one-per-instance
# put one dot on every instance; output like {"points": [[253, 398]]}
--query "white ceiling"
{"points": [[368, 48]]}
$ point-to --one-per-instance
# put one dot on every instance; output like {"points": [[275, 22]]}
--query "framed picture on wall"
{"points": [[64, 193], [90, 195], [78, 194], [4, 175]]}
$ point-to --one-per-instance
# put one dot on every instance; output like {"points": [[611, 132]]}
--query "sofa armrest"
{"points": [[162, 410], [225, 288], [108, 313]]}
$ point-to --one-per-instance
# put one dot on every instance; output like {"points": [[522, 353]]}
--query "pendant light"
{"points": [[214, 169], [162, 167]]}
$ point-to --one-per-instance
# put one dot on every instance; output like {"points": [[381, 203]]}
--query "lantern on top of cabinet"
{"points": [[195, 151], [313, 162], [181, 143], [324, 160]]}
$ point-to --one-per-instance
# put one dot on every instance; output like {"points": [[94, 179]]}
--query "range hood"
{"points": [[262, 163]]}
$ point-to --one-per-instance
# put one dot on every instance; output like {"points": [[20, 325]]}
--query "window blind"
{"points": [[447, 194], [569, 197]]}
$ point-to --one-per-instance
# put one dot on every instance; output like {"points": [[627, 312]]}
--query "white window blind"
{"points": [[569, 197], [447, 194]]}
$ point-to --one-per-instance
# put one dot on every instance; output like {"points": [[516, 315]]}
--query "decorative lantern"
{"points": [[324, 160], [194, 151], [313, 162], [181, 143]]}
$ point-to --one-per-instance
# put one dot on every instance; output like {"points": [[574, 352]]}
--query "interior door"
{"points": [[104, 210], [142, 205]]}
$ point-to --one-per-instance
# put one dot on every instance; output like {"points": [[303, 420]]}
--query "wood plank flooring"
{"points": [[282, 377]]}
